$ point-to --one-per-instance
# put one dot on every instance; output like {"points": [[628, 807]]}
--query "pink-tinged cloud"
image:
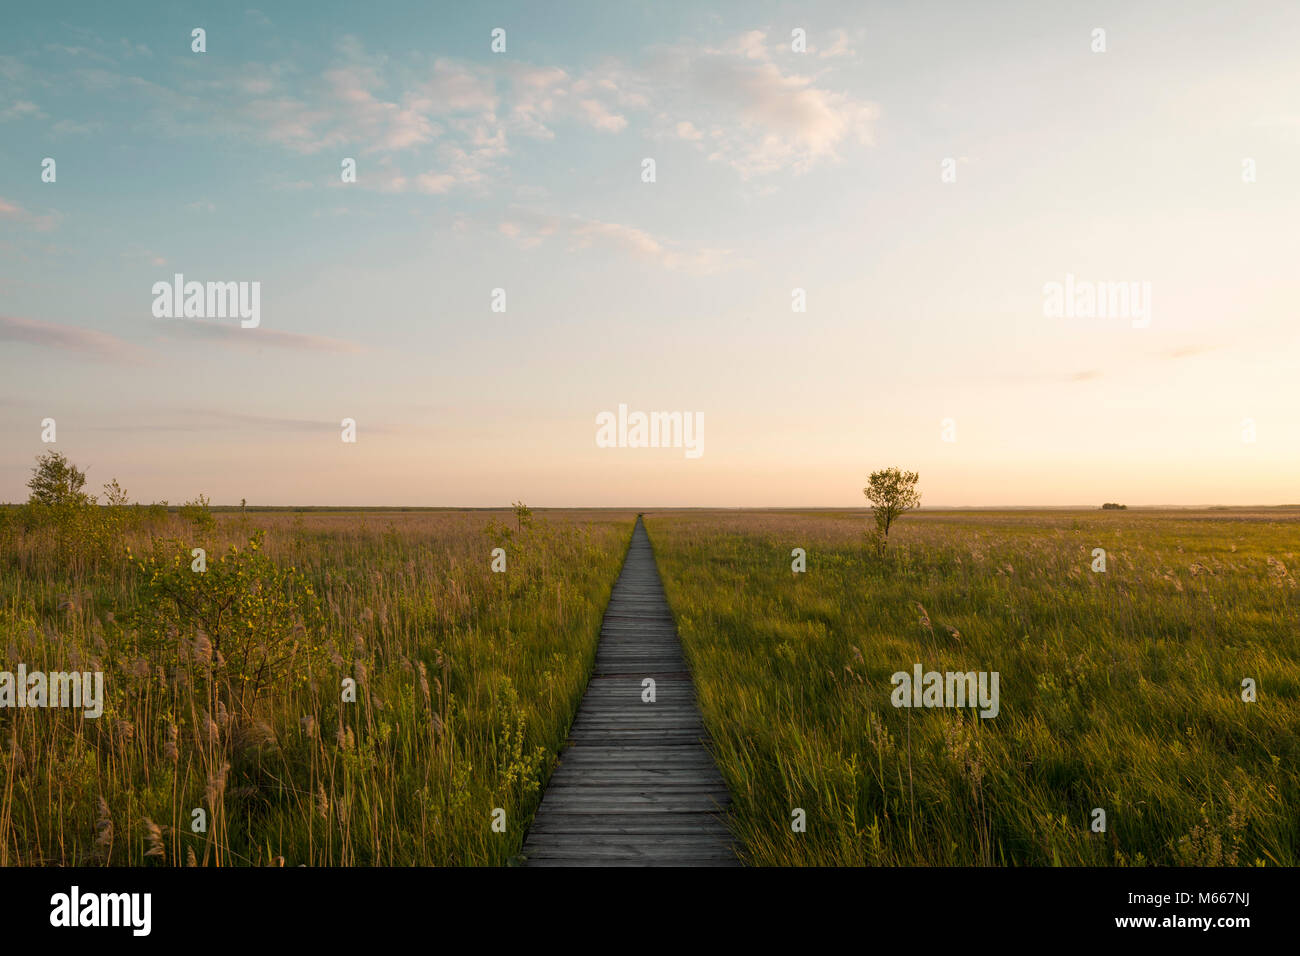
{"points": [[530, 229], [193, 420], [601, 117], [746, 108], [177, 330], [69, 338], [13, 212]]}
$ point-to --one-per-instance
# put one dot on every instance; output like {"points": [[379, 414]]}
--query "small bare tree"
{"points": [[892, 493]]}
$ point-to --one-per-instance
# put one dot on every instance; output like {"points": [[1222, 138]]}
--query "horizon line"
{"points": [[766, 507]]}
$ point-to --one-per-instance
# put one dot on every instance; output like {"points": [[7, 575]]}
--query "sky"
{"points": [[922, 171]]}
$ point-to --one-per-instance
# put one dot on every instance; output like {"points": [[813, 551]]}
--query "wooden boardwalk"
{"points": [[635, 785]]}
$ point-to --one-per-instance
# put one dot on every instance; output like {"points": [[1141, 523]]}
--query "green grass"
{"points": [[467, 683], [1119, 690]]}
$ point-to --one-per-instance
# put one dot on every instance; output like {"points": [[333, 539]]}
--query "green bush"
{"points": [[242, 620]]}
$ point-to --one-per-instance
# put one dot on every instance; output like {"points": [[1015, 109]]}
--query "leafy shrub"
{"points": [[199, 514], [245, 620]]}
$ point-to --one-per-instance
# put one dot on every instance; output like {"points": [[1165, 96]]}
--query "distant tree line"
{"points": [[1114, 506]]}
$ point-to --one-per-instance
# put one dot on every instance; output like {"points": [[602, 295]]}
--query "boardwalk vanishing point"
{"points": [[635, 785]]}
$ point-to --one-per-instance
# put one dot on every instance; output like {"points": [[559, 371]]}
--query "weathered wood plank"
{"points": [[631, 855], [635, 784], [565, 824], [577, 762]]}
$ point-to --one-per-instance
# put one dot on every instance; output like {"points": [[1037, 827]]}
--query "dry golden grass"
{"points": [[467, 681]]}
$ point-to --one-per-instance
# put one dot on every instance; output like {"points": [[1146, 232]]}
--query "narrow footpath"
{"points": [[635, 785]]}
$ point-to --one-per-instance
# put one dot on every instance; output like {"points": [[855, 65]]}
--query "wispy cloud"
{"points": [[530, 229], [12, 68], [92, 342], [69, 338], [442, 124], [13, 212], [210, 420], [258, 19], [65, 127], [21, 109], [759, 116], [178, 330], [839, 43], [145, 255]]}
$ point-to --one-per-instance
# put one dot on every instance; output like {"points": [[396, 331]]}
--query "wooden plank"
{"points": [[629, 824], [631, 855], [644, 844], [624, 764], [630, 774], [579, 861], [635, 784]]}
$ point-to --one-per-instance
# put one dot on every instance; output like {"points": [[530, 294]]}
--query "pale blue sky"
{"points": [[775, 170]]}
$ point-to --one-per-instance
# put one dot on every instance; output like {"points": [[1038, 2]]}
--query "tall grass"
{"points": [[466, 684], [1119, 690]]}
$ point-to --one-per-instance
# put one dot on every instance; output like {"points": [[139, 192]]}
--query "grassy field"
{"points": [[225, 689], [1119, 690]]}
